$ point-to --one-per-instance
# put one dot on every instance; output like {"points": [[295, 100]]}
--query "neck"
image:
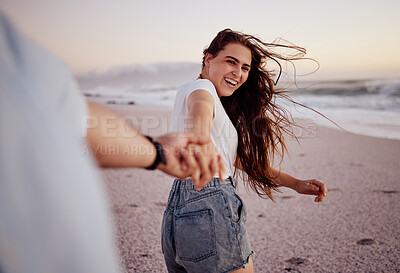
{"points": [[203, 74]]}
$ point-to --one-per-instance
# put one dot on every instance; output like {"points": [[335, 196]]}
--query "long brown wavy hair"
{"points": [[261, 124]]}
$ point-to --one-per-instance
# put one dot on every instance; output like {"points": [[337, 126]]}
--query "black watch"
{"points": [[160, 158]]}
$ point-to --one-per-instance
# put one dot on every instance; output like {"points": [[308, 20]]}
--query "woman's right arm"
{"points": [[199, 123]]}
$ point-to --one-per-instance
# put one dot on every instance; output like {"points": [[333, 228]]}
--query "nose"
{"points": [[236, 71]]}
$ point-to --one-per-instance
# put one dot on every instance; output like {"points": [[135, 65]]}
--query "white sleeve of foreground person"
{"points": [[53, 211]]}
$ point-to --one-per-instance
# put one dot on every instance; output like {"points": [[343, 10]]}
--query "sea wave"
{"points": [[363, 107], [390, 88]]}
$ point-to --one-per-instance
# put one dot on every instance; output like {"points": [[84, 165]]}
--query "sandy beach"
{"points": [[356, 228]]}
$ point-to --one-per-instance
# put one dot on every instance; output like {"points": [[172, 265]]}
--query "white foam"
{"points": [[376, 123], [374, 113]]}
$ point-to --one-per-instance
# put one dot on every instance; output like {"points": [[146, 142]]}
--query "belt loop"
{"points": [[233, 182], [216, 182], [177, 186]]}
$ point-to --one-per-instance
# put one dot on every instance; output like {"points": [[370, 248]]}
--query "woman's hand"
{"points": [[187, 155], [312, 187], [210, 162]]}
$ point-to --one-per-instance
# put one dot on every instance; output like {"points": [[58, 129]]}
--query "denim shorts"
{"points": [[203, 231]]}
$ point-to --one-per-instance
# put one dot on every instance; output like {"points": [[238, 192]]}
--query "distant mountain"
{"points": [[169, 74]]}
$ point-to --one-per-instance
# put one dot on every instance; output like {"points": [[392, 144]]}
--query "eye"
{"points": [[245, 68], [230, 62]]}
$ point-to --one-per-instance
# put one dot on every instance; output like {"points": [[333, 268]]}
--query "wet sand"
{"points": [[356, 228]]}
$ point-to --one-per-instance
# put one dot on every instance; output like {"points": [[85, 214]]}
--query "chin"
{"points": [[230, 93], [225, 94]]}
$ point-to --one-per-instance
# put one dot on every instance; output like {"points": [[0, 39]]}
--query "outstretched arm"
{"points": [[117, 144], [311, 187], [199, 123]]}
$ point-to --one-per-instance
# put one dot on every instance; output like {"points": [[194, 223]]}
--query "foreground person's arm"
{"points": [[115, 143]]}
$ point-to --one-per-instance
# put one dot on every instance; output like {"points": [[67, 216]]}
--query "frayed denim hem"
{"points": [[242, 265]]}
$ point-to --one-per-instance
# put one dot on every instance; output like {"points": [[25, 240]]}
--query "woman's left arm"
{"points": [[312, 187]]}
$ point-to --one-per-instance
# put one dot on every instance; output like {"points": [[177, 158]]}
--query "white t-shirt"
{"points": [[223, 133]]}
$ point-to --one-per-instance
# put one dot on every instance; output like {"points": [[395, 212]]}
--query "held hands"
{"points": [[186, 158], [209, 161], [312, 187]]}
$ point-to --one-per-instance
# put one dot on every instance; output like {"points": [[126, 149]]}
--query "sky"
{"points": [[349, 38]]}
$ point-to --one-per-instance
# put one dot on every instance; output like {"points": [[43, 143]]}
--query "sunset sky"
{"points": [[349, 38]]}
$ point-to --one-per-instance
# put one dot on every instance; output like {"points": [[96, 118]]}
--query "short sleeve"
{"points": [[206, 85], [72, 106]]}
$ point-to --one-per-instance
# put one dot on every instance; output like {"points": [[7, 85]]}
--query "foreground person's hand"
{"points": [[184, 160], [312, 187]]}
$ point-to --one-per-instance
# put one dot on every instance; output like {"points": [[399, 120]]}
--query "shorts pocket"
{"points": [[241, 210], [195, 235], [235, 207]]}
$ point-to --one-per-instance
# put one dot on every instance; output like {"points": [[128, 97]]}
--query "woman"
{"points": [[233, 102]]}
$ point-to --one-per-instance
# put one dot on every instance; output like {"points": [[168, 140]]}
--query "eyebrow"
{"points": [[236, 60]]}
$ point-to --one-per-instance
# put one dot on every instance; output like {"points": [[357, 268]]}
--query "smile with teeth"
{"points": [[231, 82]]}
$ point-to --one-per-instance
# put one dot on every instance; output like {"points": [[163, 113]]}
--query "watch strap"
{"points": [[160, 157]]}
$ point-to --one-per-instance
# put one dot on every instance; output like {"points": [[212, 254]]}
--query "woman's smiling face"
{"points": [[229, 69]]}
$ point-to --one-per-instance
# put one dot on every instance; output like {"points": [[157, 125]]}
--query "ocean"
{"points": [[366, 107]]}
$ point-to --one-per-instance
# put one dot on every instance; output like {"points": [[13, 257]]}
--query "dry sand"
{"points": [[356, 228]]}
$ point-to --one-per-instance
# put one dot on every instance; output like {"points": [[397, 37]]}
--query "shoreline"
{"points": [[354, 230], [147, 110], [366, 107]]}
